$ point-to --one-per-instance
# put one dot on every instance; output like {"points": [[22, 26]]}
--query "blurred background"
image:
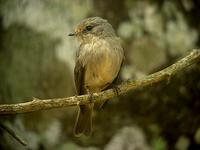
{"points": [[37, 60]]}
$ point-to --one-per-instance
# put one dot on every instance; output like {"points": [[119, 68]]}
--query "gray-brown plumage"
{"points": [[98, 62]]}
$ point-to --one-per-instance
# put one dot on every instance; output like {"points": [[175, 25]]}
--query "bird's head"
{"points": [[92, 27]]}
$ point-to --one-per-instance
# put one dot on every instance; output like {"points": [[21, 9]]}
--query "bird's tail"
{"points": [[83, 124]]}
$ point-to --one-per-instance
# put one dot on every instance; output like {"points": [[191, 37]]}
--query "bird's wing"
{"points": [[115, 81], [79, 72]]}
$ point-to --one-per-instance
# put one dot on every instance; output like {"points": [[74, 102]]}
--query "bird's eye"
{"points": [[89, 28]]}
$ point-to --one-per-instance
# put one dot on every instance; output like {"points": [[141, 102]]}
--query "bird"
{"points": [[98, 62]]}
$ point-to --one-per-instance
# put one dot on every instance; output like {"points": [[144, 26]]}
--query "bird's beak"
{"points": [[71, 34]]}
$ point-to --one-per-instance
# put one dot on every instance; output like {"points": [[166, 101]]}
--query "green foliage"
{"points": [[159, 144]]}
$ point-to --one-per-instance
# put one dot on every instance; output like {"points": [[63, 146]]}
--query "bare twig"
{"points": [[37, 104], [13, 134]]}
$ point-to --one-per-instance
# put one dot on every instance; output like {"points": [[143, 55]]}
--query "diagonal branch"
{"points": [[13, 134], [37, 104]]}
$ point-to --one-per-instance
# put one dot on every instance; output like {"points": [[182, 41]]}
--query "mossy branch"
{"points": [[165, 74]]}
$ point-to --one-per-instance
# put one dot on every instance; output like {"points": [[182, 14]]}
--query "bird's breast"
{"points": [[102, 66]]}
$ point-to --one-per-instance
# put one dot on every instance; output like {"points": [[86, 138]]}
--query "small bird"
{"points": [[98, 62]]}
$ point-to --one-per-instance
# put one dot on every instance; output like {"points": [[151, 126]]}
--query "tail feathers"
{"points": [[83, 124]]}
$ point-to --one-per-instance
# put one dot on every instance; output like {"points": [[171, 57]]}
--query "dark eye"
{"points": [[89, 28]]}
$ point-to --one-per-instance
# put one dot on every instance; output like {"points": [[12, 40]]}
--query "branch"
{"points": [[13, 134], [37, 104]]}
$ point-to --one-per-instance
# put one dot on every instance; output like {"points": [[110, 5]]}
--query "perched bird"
{"points": [[98, 63]]}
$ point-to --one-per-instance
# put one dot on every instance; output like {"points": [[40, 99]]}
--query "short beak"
{"points": [[71, 34]]}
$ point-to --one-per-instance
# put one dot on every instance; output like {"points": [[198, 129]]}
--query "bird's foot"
{"points": [[78, 101], [116, 90], [90, 95]]}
